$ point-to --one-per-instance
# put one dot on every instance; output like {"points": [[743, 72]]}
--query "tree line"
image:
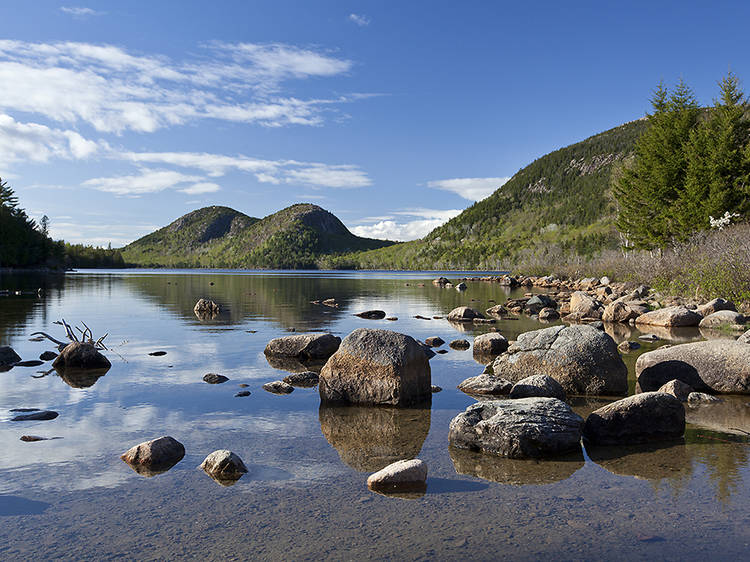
{"points": [[690, 170]]}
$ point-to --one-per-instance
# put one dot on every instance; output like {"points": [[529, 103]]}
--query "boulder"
{"points": [[620, 311], [278, 387], [641, 418], [224, 466], [372, 314], [491, 343], [671, 316], [206, 308], [405, 475], [440, 282], [538, 385], [485, 383], [744, 338], [716, 366], [81, 355], [724, 319], [306, 379], [464, 314], [715, 306], [461, 286], [696, 398], [434, 341], [304, 346], [548, 313], [459, 344], [377, 367], [8, 356], [213, 378], [537, 303], [582, 359], [497, 310], [584, 305], [523, 428], [677, 388], [155, 456]]}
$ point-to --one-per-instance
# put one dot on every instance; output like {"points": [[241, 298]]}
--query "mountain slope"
{"points": [[560, 203], [295, 237]]}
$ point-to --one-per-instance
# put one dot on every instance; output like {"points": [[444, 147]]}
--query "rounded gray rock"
{"points": [[538, 385], [8, 356], [491, 343], [464, 314], [485, 384], [303, 346], [224, 466]]}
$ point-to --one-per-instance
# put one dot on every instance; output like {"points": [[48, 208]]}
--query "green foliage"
{"points": [[79, 255]]}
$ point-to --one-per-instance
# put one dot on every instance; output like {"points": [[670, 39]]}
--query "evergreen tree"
{"points": [[718, 161]]}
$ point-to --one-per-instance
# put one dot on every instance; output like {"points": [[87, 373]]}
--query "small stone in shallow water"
{"points": [[628, 346], [242, 394], [371, 314], [243, 385], [306, 380], [33, 438], [649, 337], [30, 363], [435, 388], [213, 378], [38, 415], [434, 341], [157, 353], [278, 387], [400, 476], [392, 318], [224, 466], [154, 457], [460, 344], [48, 356]]}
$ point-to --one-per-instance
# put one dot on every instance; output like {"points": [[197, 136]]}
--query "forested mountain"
{"points": [[296, 237]]}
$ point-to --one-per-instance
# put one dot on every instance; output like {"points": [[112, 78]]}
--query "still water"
{"points": [[305, 496]]}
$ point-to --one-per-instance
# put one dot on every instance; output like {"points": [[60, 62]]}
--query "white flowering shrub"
{"points": [[722, 222]]}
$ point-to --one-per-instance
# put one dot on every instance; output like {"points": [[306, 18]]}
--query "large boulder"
{"points": [[641, 418], [584, 305], [717, 366], [538, 385], [581, 358], [464, 314], [81, 355], [303, 346], [727, 319], [8, 356], [524, 428], [671, 316], [715, 306], [377, 367], [491, 343], [155, 456]]}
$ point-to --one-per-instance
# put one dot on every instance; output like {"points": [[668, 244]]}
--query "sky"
{"points": [[118, 117]]}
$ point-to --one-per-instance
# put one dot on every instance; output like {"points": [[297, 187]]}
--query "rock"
{"points": [[158, 353], [155, 456], [604, 280], [440, 282], [537, 303], [224, 466], [642, 418], [371, 314], [497, 310], [677, 388], [620, 311], [491, 343], [427, 350], [33, 438], [459, 344], [435, 388], [695, 398], [434, 341], [305, 380], [377, 367], [582, 359], [715, 306], [8, 356], [649, 337], [278, 387], [548, 314], [716, 366], [48, 356], [461, 286], [81, 355], [37, 415], [242, 394], [206, 308], [392, 318], [724, 319], [303, 346], [523, 428], [406, 475], [464, 314], [585, 306], [485, 383], [671, 316], [628, 346], [213, 378], [538, 385], [30, 363], [744, 338]]}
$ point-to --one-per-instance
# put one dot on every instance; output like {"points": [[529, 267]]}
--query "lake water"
{"points": [[305, 496]]}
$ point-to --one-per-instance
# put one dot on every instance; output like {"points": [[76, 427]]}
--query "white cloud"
{"points": [[198, 188], [324, 175], [387, 228], [473, 189], [115, 91], [78, 11], [147, 181], [360, 19]]}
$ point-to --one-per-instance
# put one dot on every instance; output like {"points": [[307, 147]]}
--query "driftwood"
{"points": [[87, 336]]}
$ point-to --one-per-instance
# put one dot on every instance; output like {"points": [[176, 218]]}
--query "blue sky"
{"points": [[118, 117]]}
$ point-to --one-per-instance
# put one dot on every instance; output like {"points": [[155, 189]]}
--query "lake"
{"points": [[305, 496]]}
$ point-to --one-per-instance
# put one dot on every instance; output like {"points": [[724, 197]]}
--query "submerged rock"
{"points": [[642, 418], [154, 457], [523, 428], [81, 355], [404, 475], [459, 344], [29, 363], [372, 314], [278, 387], [242, 394], [376, 367], [538, 385], [304, 346], [224, 466], [37, 415], [213, 378], [48, 356]]}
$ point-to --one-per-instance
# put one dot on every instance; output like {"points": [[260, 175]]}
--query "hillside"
{"points": [[559, 204], [295, 237]]}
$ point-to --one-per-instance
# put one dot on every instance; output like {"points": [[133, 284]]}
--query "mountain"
{"points": [[293, 238], [560, 204]]}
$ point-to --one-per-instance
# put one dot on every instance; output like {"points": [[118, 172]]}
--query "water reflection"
{"points": [[293, 365], [682, 334], [514, 471], [370, 438], [81, 378], [652, 461]]}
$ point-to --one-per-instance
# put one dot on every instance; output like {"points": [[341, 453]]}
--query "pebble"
{"points": [[48, 356], [242, 394]]}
